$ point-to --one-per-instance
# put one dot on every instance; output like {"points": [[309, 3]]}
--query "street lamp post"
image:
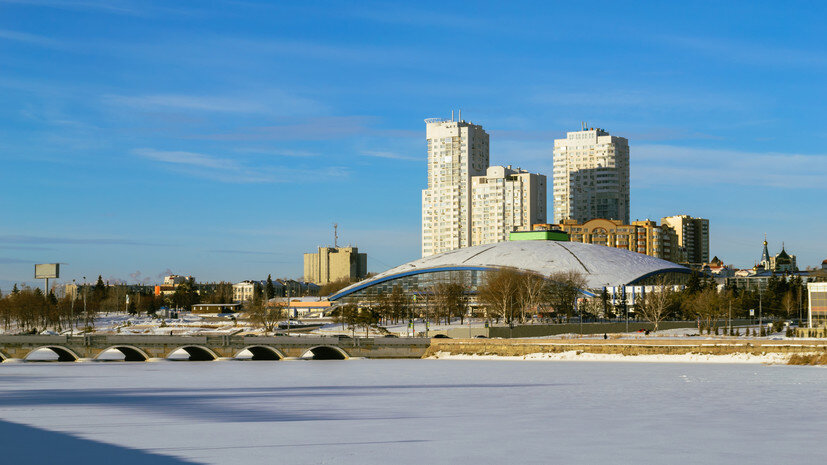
{"points": [[72, 309], [760, 319]]}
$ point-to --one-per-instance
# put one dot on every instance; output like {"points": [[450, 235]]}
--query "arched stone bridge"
{"points": [[143, 348]]}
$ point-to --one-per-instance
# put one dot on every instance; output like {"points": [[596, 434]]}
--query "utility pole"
{"points": [[84, 297]]}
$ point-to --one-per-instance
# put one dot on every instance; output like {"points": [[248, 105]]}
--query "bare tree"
{"points": [[789, 303], [347, 314], [499, 294], [708, 306], [532, 286], [267, 315], [563, 290], [655, 304]]}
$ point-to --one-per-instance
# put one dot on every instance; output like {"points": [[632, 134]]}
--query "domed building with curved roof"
{"points": [[601, 266]]}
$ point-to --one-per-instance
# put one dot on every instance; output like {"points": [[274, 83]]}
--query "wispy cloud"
{"points": [[244, 252], [751, 53], [321, 128], [390, 155], [25, 247], [32, 39], [278, 152], [188, 158], [28, 239], [395, 14], [639, 98], [237, 171], [658, 165], [9, 261], [272, 102], [111, 6], [188, 102]]}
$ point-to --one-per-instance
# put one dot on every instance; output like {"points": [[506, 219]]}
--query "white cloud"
{"points": [[270, 102], [231, 170], [752, 53], [653, 165], [187, 158], [389, 155], [31, 39]]}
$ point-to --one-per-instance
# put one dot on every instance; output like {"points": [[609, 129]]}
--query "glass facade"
{"points": [[418, 284], [818, 304]]}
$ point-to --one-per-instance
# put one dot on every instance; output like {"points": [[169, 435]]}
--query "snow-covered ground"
{"points": [[411, 412], [580, 356]]}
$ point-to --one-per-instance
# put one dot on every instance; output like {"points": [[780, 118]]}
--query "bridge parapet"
{"points": [[91, 346]]}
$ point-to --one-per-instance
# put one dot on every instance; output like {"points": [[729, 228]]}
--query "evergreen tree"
{"points": [[99, 291], [693, 285], [270, 289], [604, 300], [15, 290]]}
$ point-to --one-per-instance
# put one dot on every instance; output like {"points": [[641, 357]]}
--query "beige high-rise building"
{"points": [[693, 237], [505, 200], [335, 263], [457, 150], [591, 176], [467, 202]]}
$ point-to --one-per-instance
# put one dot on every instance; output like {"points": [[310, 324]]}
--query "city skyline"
{"points": [[141, 138]]}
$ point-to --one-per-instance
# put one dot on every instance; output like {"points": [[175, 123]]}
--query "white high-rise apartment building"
{"points": [[457, 150], [505, 200], [466, 202], [591, 176]]}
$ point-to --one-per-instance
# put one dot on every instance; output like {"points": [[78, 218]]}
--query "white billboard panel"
{"points": [[47, 270]]}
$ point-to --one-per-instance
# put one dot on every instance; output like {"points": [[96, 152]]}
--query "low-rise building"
{"points": [[216, 308], [245, 290]]}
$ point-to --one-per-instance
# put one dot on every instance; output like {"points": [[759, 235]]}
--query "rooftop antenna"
{"points": [[460, 115], [335, 235]]}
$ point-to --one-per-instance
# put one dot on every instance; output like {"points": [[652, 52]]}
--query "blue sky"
{"points": [[222, 139]]}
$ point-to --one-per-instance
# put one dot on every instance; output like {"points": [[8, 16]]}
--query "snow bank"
{"points": [[579, 356]]}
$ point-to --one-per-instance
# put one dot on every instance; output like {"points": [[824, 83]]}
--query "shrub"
{"points": [[808, 359]]}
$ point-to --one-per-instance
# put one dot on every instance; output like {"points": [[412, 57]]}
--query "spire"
{"points": [[765, 255]]}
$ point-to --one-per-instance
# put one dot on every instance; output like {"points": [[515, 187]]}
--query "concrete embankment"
{"points": [[631, 347]]}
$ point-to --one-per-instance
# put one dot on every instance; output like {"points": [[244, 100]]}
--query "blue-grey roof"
{"points": [[601, 265]]}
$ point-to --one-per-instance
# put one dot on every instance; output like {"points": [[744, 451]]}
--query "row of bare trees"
{"points": [[29, 310], [513, 295]]}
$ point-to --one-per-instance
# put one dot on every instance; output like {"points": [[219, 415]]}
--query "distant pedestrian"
{"points": [[605, 336]]}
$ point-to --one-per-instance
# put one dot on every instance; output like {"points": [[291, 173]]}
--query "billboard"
{"points": [[47, 270]]}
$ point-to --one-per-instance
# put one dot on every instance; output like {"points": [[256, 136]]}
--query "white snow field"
{"points": [[411, 412]]}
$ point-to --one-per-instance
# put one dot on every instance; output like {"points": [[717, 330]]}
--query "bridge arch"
{"points": [[196, 353], [63, 354], [261, 353], [130, 353], [326, 353]]}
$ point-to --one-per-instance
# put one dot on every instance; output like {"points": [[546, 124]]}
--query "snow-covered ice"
{"points": [[411, 412]]}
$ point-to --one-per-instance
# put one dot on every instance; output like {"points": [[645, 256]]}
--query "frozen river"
{"points": [[412, 412]]}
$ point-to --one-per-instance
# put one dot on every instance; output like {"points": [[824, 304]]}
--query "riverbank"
{"points": [[639, 350]]}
